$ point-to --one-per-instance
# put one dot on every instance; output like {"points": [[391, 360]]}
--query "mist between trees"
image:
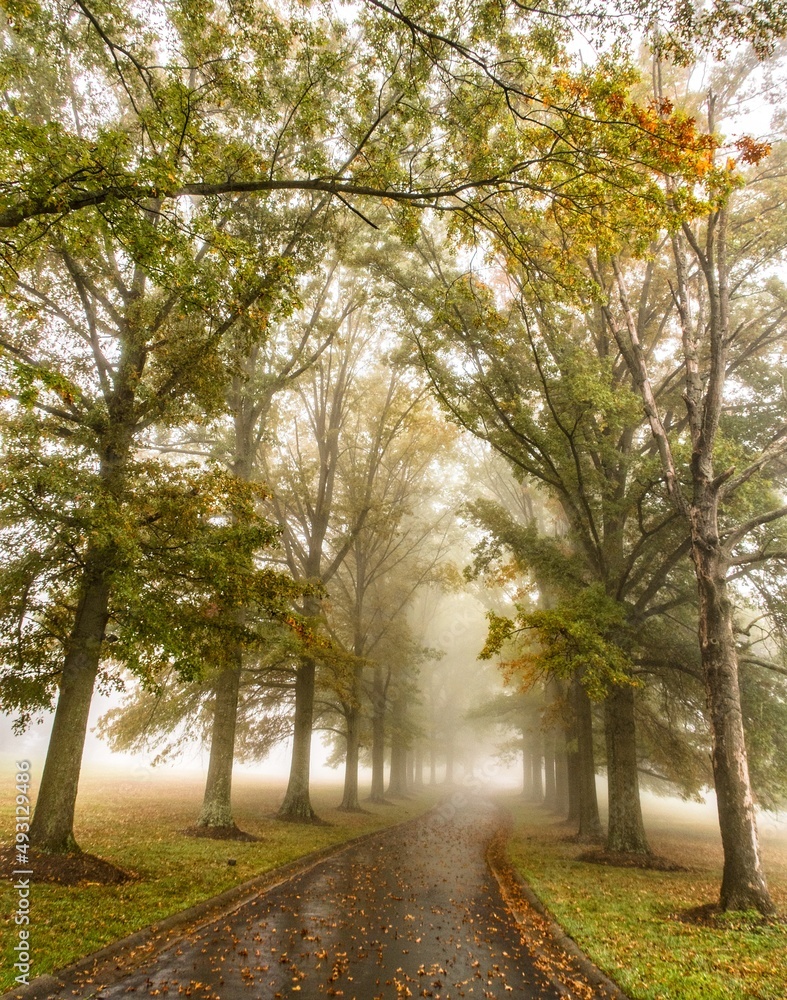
{"points": [[318, 322]]}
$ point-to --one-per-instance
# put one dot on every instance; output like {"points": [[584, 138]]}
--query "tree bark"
{"points": [[350, 801], [52, 828], [625, 831], [527, 768], [550, 786], [397, 779], [217, 802], [705, 362], [418, 765], [743, 883], [378, 736], [450, 760], [572, 759], [297, 807], [562, 794], [589, 819], [536, 764], [352, 713]]}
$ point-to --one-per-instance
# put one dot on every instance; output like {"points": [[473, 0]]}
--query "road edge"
{"points": [[503, 870]]}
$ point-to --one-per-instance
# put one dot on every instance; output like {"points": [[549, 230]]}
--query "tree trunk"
{"points": [[52, 828], [397, 779], [566, 791], [350, 802], [216, 811], [378, 736], [550, 787], [705, 357], [217, 803], [418, 765], [527, 768], [626, 831], [743, 883], [589, 819], [536, 764], [574, 782], [562, 793], [450, 754], [432, 762], [572, 759], [297, 807]]}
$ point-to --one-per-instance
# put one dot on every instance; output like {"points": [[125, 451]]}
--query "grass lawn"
{"points": [[135, 824], [628, 921]]}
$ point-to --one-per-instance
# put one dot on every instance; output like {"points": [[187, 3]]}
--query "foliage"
{"points": [[764, 704], [119, 328], [184, 539], [171, 715], [462, 109], [586, 635]]}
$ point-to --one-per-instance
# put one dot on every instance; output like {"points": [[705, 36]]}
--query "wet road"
{"points": [[413, 912]]}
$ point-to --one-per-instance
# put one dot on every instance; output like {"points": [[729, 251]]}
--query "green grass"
{"points": [[627, 920], [135, 825]]}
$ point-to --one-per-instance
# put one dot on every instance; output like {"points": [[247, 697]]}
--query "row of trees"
{"points": [[188, 206], [647, 404], [347, 444]]}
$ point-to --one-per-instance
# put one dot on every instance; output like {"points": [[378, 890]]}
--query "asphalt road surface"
{"points": [[413, 912]]}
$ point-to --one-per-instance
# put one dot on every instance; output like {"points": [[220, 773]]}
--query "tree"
{"points": [[723, 491], [394, 552], [318, 529], [170, 714], [261, 370], [260, 364], [109, 334], [433, 108], [536, 379]]}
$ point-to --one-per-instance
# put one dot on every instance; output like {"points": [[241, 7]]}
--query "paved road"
{"points": [[413, 912]]}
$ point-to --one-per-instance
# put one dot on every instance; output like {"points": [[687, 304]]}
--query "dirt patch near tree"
{"points": [[620, 859], [712, 915], [64, 869], [220, 833]]}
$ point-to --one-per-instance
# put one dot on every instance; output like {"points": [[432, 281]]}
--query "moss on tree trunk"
{"points": [[743, 883], [52, 828], [626, 831], [297, 807], [589, 819], [217, 802]]}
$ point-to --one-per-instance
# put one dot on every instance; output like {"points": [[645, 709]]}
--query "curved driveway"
{"points": [[412, 912]]}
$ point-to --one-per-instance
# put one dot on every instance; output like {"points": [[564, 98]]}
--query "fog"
{"points": [[662, 814], [451, 685]]}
